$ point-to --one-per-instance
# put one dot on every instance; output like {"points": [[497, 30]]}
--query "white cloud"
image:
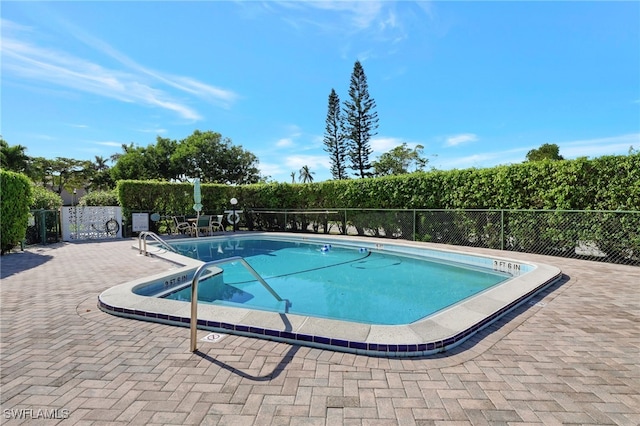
{"points": [[295, 162], [382, 145], [183, 83], [8, 26], [379, 20], [133, 84], [110, 144], [381, 24], [460, 139], [613, 145], [44, 137], [157, 131], [487, 159], [294, 130], [271, 169], [395, 73], [281, 171], [195, 87], [389, 22], [293, 134], [284, 143], [361, 14]]}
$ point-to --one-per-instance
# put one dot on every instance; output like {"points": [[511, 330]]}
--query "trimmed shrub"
{"points": [[604, 183], [45, 199], [100, 198], [16, 198]]}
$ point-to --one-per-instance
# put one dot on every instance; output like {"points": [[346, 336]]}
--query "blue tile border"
{"points": [[372, 349]]}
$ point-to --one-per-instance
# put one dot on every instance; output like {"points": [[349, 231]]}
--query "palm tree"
{"points": [[306, 175], [125, 149], [14, 157], [100, 176], [100, 163]]}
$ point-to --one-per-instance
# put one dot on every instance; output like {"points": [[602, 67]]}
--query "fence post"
{"points": [[344, 228], [414, 224], [43, 227], [58, 215], [501, 229]]}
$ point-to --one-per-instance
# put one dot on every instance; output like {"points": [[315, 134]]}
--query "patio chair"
{"points": [[216, 223], [180, 225], [204, 223]]}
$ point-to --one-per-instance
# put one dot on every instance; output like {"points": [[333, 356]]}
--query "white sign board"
{"points": [[139, 222]]}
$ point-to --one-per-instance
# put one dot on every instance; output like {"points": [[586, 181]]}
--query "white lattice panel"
{"points": [[86, 223]]}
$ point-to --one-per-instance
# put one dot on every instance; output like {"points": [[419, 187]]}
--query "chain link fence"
{"points": [[606, 236]]}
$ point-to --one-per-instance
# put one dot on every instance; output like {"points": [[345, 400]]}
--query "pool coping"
{"points": [[437, 333]]}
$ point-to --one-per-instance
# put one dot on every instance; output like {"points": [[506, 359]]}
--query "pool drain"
{"points": [[213, 337]]}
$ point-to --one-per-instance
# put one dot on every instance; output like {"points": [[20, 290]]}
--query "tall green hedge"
{"points": [[170, 198], [16, 198], [604, 183]]}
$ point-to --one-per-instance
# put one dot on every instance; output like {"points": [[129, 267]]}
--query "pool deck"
{"points": [[572, 355]]}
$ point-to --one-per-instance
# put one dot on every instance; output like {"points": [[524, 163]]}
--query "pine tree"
{"points": [[361, 122], [334, 138]]}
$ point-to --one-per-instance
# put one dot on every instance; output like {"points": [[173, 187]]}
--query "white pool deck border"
{"points": [[437, 333]]}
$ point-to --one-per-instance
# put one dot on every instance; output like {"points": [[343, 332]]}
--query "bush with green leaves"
{"points": [[45, 199], [16, 198], [604, 183], [609, 183], [99, 198]]}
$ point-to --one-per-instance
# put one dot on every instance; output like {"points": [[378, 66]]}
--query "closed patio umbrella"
{"points": [[197, 196]]}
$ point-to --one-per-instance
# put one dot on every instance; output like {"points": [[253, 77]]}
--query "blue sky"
{"points": [[476, 83]]}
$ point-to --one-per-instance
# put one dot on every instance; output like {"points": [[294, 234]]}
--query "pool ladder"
{"points": [[142, 242], [194, 292]]}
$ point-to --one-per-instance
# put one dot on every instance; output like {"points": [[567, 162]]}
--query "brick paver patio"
{"points": [[572, 356]]}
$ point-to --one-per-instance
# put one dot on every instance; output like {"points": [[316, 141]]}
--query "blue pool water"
{"points": [[346, 283]]}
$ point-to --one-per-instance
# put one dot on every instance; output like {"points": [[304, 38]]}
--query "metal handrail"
{"points": [[142, 240], [194, 291]]}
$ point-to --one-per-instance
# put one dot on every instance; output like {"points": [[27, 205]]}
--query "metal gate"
{"points": [[90, 223]]}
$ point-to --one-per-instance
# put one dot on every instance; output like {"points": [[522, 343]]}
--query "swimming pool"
{"points": [[416, 334], [333, 281]]}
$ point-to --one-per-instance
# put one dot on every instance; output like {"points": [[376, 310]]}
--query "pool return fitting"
{"points": [[194, 292]]}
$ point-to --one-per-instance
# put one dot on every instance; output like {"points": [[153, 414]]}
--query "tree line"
{"points": [[205, 155]]}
